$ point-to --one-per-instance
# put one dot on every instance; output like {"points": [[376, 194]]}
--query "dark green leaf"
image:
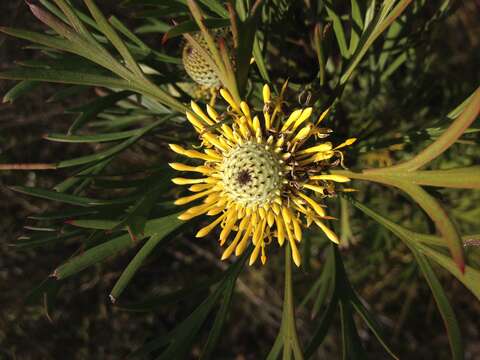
{"points": [[449, 318], [19, 90], [67, 77]]}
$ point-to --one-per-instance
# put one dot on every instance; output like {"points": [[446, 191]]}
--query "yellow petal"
{"points": [[306, 113], [318, 209], [258, 233], [200, 187], [184, 181], [263, 258], [197, 123], [184, 167], [214, 154], [297, 230], [316, 188], [317, 148], [303, 134], [231, 221], [254, 255], [245, 109], [323, 115], [268, 122], [177, 148], [187, 199], [212, 139], [329, 233], [280, 230], [336, 178], [198, 110], [228, 98], [266, 93], [256, 125], [212, 113], [287, 216], [229, 250], [270, 218], [262, 213], [323, 156], [346, 143], [243, 243], [295, 254], [228, 132], [195, 211], [205, 230], [291, 119]]}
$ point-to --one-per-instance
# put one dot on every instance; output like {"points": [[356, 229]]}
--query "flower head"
{"points": [[262, 179]]}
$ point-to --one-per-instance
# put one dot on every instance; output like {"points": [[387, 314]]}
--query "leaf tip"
{"points": [[112, 298]]}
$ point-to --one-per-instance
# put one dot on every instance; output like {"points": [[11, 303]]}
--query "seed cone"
{"points": [[195, 63]]}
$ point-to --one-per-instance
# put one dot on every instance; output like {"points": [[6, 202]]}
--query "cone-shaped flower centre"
{"points": [[252, 174]]}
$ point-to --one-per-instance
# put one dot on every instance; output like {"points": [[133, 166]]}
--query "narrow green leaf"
{"points": [[357, 25], [19, 90], [114, 38], [84, 177], [68, 77], [216, 6], [38, 241], [246, 37], [448, 138], [74, 20], [459, 178], [276, 348], [374, 29], [218, 324], [443, 305], [64, 214], [159, 301], [399, 60], [471, 277], [327, 284], [96, 138], [60, 197], [370, 321], [92, 109], [323, 324], [94, 224], [170, 224], [96, 254], [92, 256], [443, 223], [338, 29], [179, 341], [118, 25], [110, 151], [46, 40], [191, 26], [257, 55], [352, 348]]}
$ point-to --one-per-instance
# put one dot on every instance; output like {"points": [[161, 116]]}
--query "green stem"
{"points": [[289, 330], [459, 178]]}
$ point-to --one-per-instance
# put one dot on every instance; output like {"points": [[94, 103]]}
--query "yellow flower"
{"points": [[261, 178]]}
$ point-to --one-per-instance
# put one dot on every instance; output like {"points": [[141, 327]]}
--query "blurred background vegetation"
{"points": [[442, 69]]}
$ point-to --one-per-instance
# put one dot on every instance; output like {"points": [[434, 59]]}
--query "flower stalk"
{"points": [[291, 344]]}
